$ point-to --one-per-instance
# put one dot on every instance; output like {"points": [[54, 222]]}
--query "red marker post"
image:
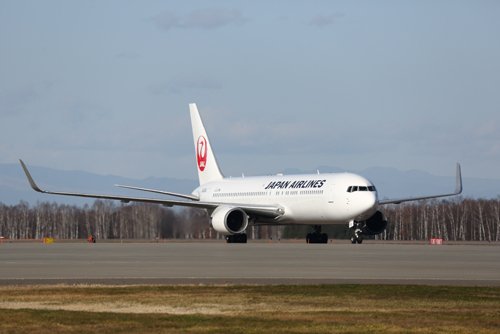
{"points": [[436, 241]]}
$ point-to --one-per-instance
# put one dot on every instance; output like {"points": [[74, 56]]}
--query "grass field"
{"points": [[249, 309]]}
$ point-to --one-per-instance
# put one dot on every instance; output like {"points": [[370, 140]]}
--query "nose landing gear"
{"points": [[356, 232], [356, 238]]}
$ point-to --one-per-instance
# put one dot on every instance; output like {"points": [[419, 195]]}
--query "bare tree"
{"points": [[458, 219]]}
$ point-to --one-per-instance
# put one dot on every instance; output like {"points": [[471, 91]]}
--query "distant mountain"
{"points": [[14, 187], [393, 183], [390, 182]]}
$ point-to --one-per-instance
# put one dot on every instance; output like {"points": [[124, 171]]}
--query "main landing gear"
{"points": [[316, 237], [236, 238], [356, 232]]}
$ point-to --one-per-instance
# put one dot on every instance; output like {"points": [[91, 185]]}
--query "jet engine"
{"points": [[229, 220], [375, 224]]}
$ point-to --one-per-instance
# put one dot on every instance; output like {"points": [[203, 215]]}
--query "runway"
{"points": [[252, 263]]}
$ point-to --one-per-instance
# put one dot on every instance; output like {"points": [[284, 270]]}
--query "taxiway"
{"points": [[252, 263]]}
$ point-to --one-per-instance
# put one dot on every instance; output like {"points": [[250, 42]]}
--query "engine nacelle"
{"points": [[229, 220], [375, 224]]}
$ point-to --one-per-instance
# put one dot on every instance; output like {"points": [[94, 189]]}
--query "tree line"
{"points": [[109, 220], [456, 220]]}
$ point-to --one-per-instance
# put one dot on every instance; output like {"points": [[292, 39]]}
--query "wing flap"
{"points": [[169, 193]]}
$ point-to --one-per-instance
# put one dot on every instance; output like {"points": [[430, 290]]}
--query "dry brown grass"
{"points": [[249, 309]]}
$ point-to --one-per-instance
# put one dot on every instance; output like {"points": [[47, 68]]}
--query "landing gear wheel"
{"points": [[317, 237], [236, 238], [356, 235], [357, 240], [324, 238]]}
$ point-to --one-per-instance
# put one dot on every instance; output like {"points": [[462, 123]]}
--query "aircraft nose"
{"points": [[369, 205], [372, 200]]}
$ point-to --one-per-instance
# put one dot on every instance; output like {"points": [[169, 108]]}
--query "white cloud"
{"points": [[181, 86], [167, 20], [213, 18], [14, 100], [322, 21], [205, 19]]}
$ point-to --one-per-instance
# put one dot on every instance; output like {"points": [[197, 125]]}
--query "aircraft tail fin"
{"points": [[208, 169]]}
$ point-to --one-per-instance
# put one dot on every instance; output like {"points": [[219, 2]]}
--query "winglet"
{"points": [[30, 179], [458, 191], [458, 188]]}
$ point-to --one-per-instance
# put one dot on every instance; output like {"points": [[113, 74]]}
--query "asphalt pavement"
{"points": [[252, 263]]}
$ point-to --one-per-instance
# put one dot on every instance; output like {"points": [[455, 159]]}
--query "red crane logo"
{"points": [[201, 153]]}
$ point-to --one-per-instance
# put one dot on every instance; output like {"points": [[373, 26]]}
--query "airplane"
{"points": [[234, 204]]}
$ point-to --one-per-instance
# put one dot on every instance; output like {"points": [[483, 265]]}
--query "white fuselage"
{"points": [[305, 199]]}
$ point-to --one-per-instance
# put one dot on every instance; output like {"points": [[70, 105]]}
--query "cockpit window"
{"points": [[352, 189]]}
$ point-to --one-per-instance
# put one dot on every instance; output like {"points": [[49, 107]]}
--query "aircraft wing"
{"points": [[458, 191], [260, 210]]}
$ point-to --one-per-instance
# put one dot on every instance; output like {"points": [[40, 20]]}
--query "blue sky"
{"points": [[104, 86]]}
